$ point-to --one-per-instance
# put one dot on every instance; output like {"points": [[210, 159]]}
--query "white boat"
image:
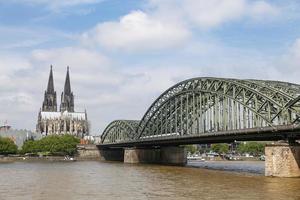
{"points": [[198, 158]]}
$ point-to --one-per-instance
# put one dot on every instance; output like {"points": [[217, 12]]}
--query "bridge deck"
{"points": [[253, 134]]}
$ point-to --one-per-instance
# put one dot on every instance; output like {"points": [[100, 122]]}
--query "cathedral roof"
{"points": [[63, 115]]}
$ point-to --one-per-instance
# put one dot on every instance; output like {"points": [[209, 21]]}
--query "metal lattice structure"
{"points": [[119, 131], [202, 106]]}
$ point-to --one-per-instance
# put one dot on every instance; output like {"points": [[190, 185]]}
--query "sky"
{"points": [[124, 54]]}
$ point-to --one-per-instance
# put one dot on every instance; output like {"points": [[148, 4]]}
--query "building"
{"points": [[5, 127], [19, 136], [64, 121]]}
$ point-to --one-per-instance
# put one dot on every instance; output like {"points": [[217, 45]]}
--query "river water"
{"points": [[114, 180]]}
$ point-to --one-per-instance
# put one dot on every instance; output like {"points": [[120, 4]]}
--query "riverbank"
{"points": [[9, 159]]}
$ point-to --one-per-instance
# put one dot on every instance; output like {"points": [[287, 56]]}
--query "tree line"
{"points": [[50, 145], [66, 145], [252, 148]]}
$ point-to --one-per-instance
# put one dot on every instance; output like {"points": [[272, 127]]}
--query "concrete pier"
{"points": [[173, 155], [135, 155], [112, 154], [163, 155], [88, 151], [282, 160]]}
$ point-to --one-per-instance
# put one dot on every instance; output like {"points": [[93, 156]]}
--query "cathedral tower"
{"points": [[67, 97], [49, 103], [66, 121]]}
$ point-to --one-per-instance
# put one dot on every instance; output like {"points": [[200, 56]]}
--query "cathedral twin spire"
{"points": [[67, 97], [49, 103]]}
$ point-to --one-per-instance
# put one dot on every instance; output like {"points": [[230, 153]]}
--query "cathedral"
{"points": [[64, 121]]}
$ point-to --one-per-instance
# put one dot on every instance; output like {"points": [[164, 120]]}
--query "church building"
{"points": [[66, 120]]}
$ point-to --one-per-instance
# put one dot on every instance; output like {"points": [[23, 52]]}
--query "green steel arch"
{"points": [[205, 105], [208, 105], [119, 131]]}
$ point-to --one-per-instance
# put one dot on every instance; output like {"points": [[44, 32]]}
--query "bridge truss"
{"points": [[205, 106]]}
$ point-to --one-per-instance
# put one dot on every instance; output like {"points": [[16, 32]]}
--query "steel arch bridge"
{"points": [[214, 109], [120, 130]]}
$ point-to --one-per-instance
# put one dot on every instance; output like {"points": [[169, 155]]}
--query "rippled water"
{"points": [[257, 167], [110, 180]]}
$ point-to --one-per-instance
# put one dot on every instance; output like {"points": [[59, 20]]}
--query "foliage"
{"points": [[54, 144], [220, 148], [191, 148], [253, 148], [7, 146]]}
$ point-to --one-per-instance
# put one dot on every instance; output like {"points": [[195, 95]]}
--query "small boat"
{"points": [[197, 158], [67, 158]]}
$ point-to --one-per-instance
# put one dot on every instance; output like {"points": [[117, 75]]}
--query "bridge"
{"points": [[210, 110]]}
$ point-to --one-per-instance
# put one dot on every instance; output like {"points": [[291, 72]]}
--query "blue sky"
{"points": [[123, 54]]}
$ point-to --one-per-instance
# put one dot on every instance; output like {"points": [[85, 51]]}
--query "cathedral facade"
{"points": [[65, 120]]}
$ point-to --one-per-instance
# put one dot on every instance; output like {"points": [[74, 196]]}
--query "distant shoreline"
{"points": [[9, 159]]}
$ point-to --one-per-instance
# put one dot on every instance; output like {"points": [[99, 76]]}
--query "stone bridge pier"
{"points": [[282, 160], [169, 155], [112, 154]]}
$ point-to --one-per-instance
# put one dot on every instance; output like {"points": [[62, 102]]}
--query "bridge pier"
{"points": [[282, 160], [112, 154], [164, 155], [141, 155], [173, 155]]}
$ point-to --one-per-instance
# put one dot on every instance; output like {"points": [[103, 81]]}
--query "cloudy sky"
{"points": [[123, 54]]}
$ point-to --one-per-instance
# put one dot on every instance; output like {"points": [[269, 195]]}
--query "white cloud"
{"points": [[137, 31], [262, 10], [295, 51], [210, 14], [169, 24], [289, 64], [73, 56], [214, 12]]}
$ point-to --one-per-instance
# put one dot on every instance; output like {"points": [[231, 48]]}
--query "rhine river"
{"points": [[113, 180]]}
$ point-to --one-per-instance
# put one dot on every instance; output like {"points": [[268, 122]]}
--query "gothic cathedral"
{"points": [[64, 121]]}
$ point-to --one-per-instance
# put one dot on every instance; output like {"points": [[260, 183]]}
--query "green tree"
{"points": [[191, 148], [31, 146], [220, 148], [54, 144], [253, 148], [7, 146]]}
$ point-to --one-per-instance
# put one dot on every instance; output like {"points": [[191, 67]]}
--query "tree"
{"points": [[54, 144], [7, 146], [191, 148], [220, 148], [253, 148]]}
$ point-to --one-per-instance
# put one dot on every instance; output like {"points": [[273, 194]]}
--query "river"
{"points": [[114, 180]]}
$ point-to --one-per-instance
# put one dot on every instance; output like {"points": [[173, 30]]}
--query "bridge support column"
{"points": [[112, 154], [164, 155], [282, 160], [135, 155], [173, 155]]}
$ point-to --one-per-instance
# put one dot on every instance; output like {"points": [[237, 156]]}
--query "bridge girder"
{"points": [[211, 105], [119, 131]]}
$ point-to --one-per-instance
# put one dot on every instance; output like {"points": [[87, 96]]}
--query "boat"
{"points": [[198, 158], [71, 159]]}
